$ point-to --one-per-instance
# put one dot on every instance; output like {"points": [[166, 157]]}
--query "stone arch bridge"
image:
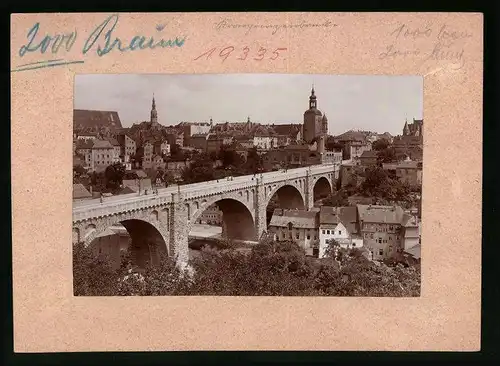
{"points": [[163, 220]]}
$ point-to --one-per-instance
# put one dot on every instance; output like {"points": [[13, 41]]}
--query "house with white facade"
{"points": [[339, 223]]}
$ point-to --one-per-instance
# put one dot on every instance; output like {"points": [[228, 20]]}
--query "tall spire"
{"points": [[312, 99], [154, 113]]}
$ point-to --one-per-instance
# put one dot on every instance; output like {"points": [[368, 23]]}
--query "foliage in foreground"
{"points": [[268, 269]]}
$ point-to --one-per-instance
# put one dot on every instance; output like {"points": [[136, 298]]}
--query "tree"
{"points": [[386, 155], [380, 144], [375, 182], [200, 170], [114, 175], [92, 275], [254, 163], [229, 157], [176, 153], [337, 199]]}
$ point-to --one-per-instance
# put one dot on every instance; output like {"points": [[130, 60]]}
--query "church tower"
{"points": [[325, 125], [154, 114], [406, 129], [313, 120]]}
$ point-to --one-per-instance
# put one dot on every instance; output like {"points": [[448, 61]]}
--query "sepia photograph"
{"points": [[247, 185]]}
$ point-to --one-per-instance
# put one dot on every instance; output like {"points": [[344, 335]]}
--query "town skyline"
{"points": [[388, 100]]}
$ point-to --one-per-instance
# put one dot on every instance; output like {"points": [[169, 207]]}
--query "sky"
{"points": [[375, 103]]}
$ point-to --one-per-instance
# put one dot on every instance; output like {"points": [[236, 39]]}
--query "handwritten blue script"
{"points": [[101, 39]]}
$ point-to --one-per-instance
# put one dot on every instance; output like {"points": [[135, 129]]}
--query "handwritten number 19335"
{"points": [[258, 54]]}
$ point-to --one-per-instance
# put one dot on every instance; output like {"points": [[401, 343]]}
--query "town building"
{"points": [[116, 147], [353, 143], [411, 142], [288, 133], [83, 149], [127, 146], [406, 171], [296, 225], [145, 155], [161, 148], [264, 140], [193, 128], [102, 155], [315, 123], [351, 173], [386, 230], [211, 216], [86, 136], [368, 158], [340, 224], [198, 141], [157, 162]]}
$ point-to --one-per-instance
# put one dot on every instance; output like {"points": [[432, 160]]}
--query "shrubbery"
{"points": [[268, 269]]}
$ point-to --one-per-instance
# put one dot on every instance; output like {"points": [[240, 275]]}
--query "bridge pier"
{"points": [[260, 209], [179, 230], [309, 192]]}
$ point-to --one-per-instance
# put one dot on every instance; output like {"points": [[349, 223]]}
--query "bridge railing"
{"points": [[96, 208]]}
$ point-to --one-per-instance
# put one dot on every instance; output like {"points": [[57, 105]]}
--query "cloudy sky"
{"points": [[376, 103]]}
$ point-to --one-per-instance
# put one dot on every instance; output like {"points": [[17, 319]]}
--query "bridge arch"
{"points": [[322, 187], [147, 236], [288, 196], [238, 218]]}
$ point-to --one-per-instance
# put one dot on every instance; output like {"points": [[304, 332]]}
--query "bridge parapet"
{"points": [[118, 206]]}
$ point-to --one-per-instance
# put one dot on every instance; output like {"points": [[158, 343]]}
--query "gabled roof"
{"points": [[414, 251], [380, 214], [102, 144], [351, 136], [334, 215], [113, 141], [369, 154], [84, 144], [298, 218], [287, 129], [84, 118], [79, 191]]}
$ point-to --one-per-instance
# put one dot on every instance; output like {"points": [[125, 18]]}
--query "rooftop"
{"points": [[298, 218], [335, 215], [79, 191], [84, 118], [102, 144], [380, 214]]}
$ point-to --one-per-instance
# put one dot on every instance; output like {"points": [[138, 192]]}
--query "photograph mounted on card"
{"points": [[218, 178]]}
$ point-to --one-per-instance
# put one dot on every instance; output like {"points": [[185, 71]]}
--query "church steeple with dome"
{"points": [[315, 124]]}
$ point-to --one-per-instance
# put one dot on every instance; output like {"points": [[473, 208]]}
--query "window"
{"points": [[340, 232], [328, 232], [380, 240], [380, 252], [308, 237], [324, 231], [371, 236], [390, 248], [297, 235], [353, 244]]}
